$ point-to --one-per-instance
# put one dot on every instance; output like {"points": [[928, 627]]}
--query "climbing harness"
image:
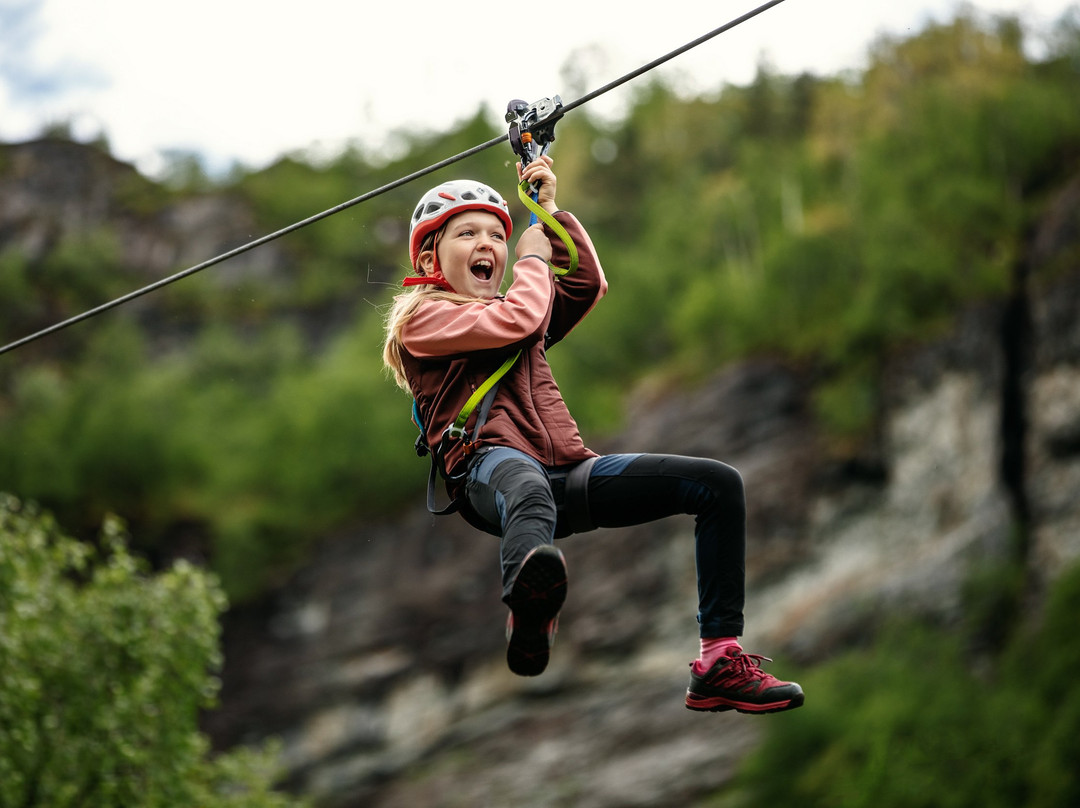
{"points": [[483, 396]]}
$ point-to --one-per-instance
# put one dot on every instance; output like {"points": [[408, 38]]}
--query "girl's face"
{"points": [[472, 253]]}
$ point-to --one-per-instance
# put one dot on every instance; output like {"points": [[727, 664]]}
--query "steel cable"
{"points": [[378, 191]]}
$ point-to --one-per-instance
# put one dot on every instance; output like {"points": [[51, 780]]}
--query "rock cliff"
{"points": [[53, 189], [381, 664], [57, 196]]}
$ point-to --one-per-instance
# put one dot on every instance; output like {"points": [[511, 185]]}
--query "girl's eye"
{"points": [[472, 234]]}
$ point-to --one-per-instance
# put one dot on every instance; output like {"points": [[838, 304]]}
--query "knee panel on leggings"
{"points": [[516, 496], [725, 482]]}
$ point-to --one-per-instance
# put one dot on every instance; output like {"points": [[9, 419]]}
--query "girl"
{"points": [[513, 458]]}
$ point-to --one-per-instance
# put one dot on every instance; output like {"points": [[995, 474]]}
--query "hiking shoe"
{"points": [[535, 599], [737, 682]]}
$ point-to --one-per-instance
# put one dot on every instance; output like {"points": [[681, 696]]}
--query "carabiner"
{"points": [[532, 130]]}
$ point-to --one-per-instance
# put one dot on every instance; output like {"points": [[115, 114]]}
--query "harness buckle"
{"points": [[420, 445]]}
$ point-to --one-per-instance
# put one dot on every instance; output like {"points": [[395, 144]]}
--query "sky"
{"points": [[240, 81]]}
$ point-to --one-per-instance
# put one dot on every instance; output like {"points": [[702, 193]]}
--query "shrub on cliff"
{"points": [[103, 671]]}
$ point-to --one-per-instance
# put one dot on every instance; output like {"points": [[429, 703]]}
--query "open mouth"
{"points": [[483, 270]]}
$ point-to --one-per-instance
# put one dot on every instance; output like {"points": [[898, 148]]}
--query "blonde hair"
{"points": [[403, 307]]}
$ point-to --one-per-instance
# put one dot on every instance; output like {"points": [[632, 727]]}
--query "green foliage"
{"points": [[68, 279], [104, 669], [846, 403], [827, 219], [818, 219], [255, 445], [908, 722]]}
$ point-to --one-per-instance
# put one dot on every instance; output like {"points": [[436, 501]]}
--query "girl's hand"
{"points": [[534, 241], [539, 174]]}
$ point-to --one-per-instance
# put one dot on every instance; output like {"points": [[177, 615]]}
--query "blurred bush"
{"points": [[104, 669], [915, 720]]}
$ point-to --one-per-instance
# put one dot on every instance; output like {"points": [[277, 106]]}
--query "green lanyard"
{"points": [[551, 222], [457, 429]]}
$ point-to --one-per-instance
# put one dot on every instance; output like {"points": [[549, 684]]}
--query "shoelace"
{"points": [[746, 666]]}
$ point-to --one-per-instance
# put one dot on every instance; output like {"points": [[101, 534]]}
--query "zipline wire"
{"points": [[378, 191], [669, 56], [86, 315]]}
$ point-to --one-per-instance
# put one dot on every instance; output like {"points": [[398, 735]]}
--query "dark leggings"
{"points": [[523, 503]]}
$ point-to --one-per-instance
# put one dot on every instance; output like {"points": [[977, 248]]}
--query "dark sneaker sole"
{"points": [[719, 704], [535, 600]]}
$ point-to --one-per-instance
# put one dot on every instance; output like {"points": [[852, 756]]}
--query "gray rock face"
{"points": [[381, 664]]}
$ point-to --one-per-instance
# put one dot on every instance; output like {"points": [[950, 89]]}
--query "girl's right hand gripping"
{"points": [[534, 241], [540, 174]]}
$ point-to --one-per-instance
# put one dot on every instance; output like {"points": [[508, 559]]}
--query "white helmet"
{"points": [[443, 201]]}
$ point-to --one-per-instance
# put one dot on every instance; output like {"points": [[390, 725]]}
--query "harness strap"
{"points": [[432, 508], [576, 497], [457, 429], [484, 396]]}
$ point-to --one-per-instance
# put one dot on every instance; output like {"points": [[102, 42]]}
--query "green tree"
{"points": [[103, 671]]}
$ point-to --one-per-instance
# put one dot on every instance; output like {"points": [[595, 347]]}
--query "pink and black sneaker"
{"points": [[737, 682], [535, 600]]}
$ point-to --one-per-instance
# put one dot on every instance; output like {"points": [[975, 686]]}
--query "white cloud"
{"points": [[248, 81]]}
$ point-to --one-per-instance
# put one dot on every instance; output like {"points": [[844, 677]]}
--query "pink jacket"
{"points": [[452, 348]]}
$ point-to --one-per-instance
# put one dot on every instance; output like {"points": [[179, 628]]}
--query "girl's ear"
{"points": [[425, 262]]}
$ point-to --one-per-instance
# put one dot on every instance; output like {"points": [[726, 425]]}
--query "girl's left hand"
{"points": [[539, 173]]}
